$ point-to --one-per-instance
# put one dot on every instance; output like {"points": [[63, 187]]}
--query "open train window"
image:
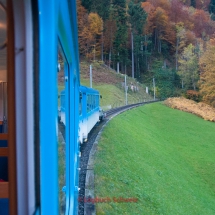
{"points": [[62, 128]]}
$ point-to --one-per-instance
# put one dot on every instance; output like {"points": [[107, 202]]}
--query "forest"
{"points": [[170, 41]]}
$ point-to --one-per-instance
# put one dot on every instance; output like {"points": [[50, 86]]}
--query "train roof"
{"points": [[88, 89]]}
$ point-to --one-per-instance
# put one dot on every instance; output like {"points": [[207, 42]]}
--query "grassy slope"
{"points": [[108, 82], [166, 160]]}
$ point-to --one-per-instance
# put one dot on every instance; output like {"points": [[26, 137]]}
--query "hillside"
{"points": [[165, 161], [171, 41], [112, 85]]}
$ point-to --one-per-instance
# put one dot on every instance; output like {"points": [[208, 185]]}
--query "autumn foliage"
{"points": [[131, 36], [200, 109], [193, 94], [207, 77]]}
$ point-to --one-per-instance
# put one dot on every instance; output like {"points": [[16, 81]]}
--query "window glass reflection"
{"points": [[61, 132]]}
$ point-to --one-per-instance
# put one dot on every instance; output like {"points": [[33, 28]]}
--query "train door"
{"points": [[29, 128], [58, 130]]}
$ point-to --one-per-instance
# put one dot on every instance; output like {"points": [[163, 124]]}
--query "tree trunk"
{"points": [[176, 54], [164, 64], [132, 53], [155, 38], [109, 59], [146, 51], [102, 48]]}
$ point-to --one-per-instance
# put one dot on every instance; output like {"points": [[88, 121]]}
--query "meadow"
{"points": [[163, 158]]}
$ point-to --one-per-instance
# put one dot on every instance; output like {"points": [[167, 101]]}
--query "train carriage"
{"points": [[35, 36], [89, 111]]}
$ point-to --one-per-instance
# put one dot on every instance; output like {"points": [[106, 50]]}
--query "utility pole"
{"points": [[154, 87], [91, 78]]}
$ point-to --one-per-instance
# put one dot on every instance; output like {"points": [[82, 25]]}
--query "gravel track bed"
{"points": [[85, 151]]}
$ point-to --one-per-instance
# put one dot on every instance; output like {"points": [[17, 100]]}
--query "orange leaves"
{"points": [[95, 24], [160, 18], [108, 37], [148, 7], [201, 21], [200, 109], [90, 28], [207, 78], [164, 4]]}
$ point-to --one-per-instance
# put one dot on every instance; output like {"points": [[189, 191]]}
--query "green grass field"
{"points": [[163, 157]]}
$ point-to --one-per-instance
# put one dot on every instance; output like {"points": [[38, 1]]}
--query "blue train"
{"points": [[90, 112], [39, 165]]}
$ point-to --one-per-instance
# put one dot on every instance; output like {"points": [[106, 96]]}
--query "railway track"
{"points": [[124, 108], [85, 149]]}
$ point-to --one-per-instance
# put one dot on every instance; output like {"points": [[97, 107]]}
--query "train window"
{"points": [[80, 103], [88, 103], [94, 101], [62, 111]]}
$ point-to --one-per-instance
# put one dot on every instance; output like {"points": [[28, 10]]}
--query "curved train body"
{"points": [[38, 160], [90, 112]]}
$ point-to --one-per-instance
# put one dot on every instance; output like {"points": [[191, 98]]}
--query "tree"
{"points": [[84, 35], [160, 21], [120, 37], [176, 11], [180, 32], [201, 21], [108, 38], [89, 32], [95, 28], [207, 76], [164, 79], [188, 68], [137, 19]]}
